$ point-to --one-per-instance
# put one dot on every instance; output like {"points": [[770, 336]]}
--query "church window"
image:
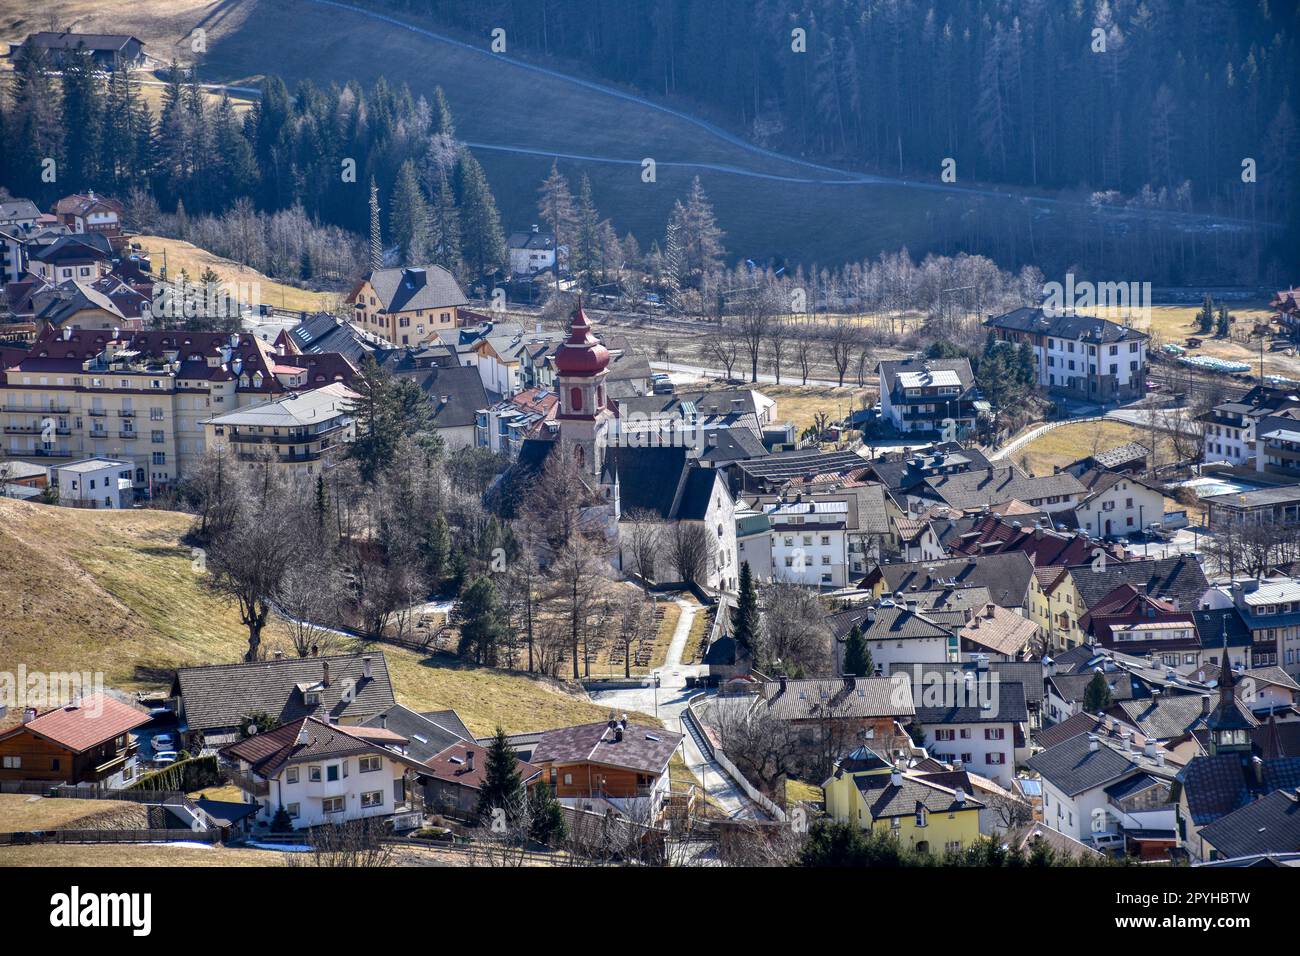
{"points": [[575, 398]]}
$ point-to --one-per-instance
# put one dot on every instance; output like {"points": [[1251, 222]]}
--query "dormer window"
{"points": [[312, 698]]}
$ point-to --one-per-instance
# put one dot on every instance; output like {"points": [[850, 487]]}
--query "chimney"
{"points": [[1149, 748], [315, 650], [850, 681], [469, 760], [1257, 770], [618, 733], [988, 612], [1160, 758], [623, 722], [278, 654], [959, 796], [325, 673], [1093, 743], [29, 714], [895, 779], [781, 680], [304, 735], [366, 671], [383, 721], [957, 763], [1205, 705]]}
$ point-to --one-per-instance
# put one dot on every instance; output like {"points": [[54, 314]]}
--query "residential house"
{"points": [[922, 814], [322, 773], [1278, 505], [614, 766], [970, 716], [1129, 458], [95, 483], [1270, 610], [83, 258], [454, 778], [1179, 580], [505, 426], [1231, 427], [979, 490], [1006, 576], [455, 393], [1079, 356], [1232, 775], [779, 470], [835, 714], [1097, 786], [215, 699], [928, 395], [1269, 825], [1117, 504], [86, 742], [300, 434], [533, 251], [109, 51], [86, 212], [408, 305], [1134, 622]]}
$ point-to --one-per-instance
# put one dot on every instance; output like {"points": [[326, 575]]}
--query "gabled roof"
{"points": [[453, 765], [409, 288], [834, 697], [85, 724], [1072, 767], [425, 736], [1217, 785], [217, 696], [1179, 579], [884, 798], [642, 748], [1006, 576], [1270, 824], [308, 738], [1072, 326], [988, 698], [999, 483]]}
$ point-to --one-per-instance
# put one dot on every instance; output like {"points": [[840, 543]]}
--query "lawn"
{"points": [[193, 260], [98, 591], [22, 812], [801, 403], [1176, 323], [699, 631], [1068, 443]]}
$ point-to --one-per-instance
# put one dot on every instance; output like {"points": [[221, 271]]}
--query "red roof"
{"points": [[78, 727], [453, 766]]}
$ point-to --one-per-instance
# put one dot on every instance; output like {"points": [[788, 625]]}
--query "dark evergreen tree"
{"points": [[745, 619], [857, 656], [1097, 696], [502, 788], [479, 618]]}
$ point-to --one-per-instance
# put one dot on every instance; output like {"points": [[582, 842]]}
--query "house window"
{"points": [[921, 814], [568, 779], [291, 775], [332, 804], [995, 733], [313, 774], [13, 763], [292, 809], [332, 772], [370, 764], [373, 799]]}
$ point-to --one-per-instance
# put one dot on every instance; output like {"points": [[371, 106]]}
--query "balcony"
{"points": [[33, 430], [129, 436], [97, 412], [249, 783], [126, 413], [32, 410]]}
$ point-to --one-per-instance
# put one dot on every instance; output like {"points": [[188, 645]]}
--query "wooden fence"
{"points": [[109, 836]]}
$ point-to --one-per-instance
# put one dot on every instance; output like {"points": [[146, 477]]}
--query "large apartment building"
{"points": [[298, 433], [1078, 355], [142, 396]]}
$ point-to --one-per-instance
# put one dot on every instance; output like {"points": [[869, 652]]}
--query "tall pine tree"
{"points": [[502, 788]]}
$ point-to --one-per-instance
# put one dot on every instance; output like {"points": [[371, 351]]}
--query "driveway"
{"points": [[668, 702]]}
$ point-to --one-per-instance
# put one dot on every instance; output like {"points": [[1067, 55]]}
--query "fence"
{"points": [[109, 836], [720, 758], [173, 800]]}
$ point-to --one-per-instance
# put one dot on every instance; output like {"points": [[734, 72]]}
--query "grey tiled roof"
{"points": [[1165, 718], [647, 749], [1179, 578], [1006, 576], [1216, 785], [809, 699], [406, 289], [1072, 768], [217, 696], [1269, 825], [424, 736]]}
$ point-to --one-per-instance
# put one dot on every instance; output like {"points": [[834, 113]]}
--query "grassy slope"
{"points": [[99, 591], [192, 259], [500, 104], [19, 812], [1069, 443]]}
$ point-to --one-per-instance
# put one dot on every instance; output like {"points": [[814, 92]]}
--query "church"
{"points": [[668, 481]]}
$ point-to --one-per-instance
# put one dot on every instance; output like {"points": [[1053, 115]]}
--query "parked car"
{"points": [[1108, 842], [164, 758], [161, 742]]}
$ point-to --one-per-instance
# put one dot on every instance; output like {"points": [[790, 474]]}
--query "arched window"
{"points": [[575, 398]]}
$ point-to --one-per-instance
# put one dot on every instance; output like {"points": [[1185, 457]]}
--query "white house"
{"points": [[1095, 785], [95, 483], [1117, 504], [324, 773], [533, 251]]}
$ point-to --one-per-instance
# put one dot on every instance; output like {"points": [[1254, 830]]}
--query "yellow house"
{"points": [[407, 306], [919, 813]]}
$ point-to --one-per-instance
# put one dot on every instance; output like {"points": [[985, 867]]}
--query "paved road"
{"points": [[669, 703]]}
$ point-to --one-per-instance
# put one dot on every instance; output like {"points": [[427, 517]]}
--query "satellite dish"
{"points": [[252, 730]]}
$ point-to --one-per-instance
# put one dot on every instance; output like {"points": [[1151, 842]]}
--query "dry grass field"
{"points": [[178, 255], [104, 591], [1069, 443], [22, 812]]}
